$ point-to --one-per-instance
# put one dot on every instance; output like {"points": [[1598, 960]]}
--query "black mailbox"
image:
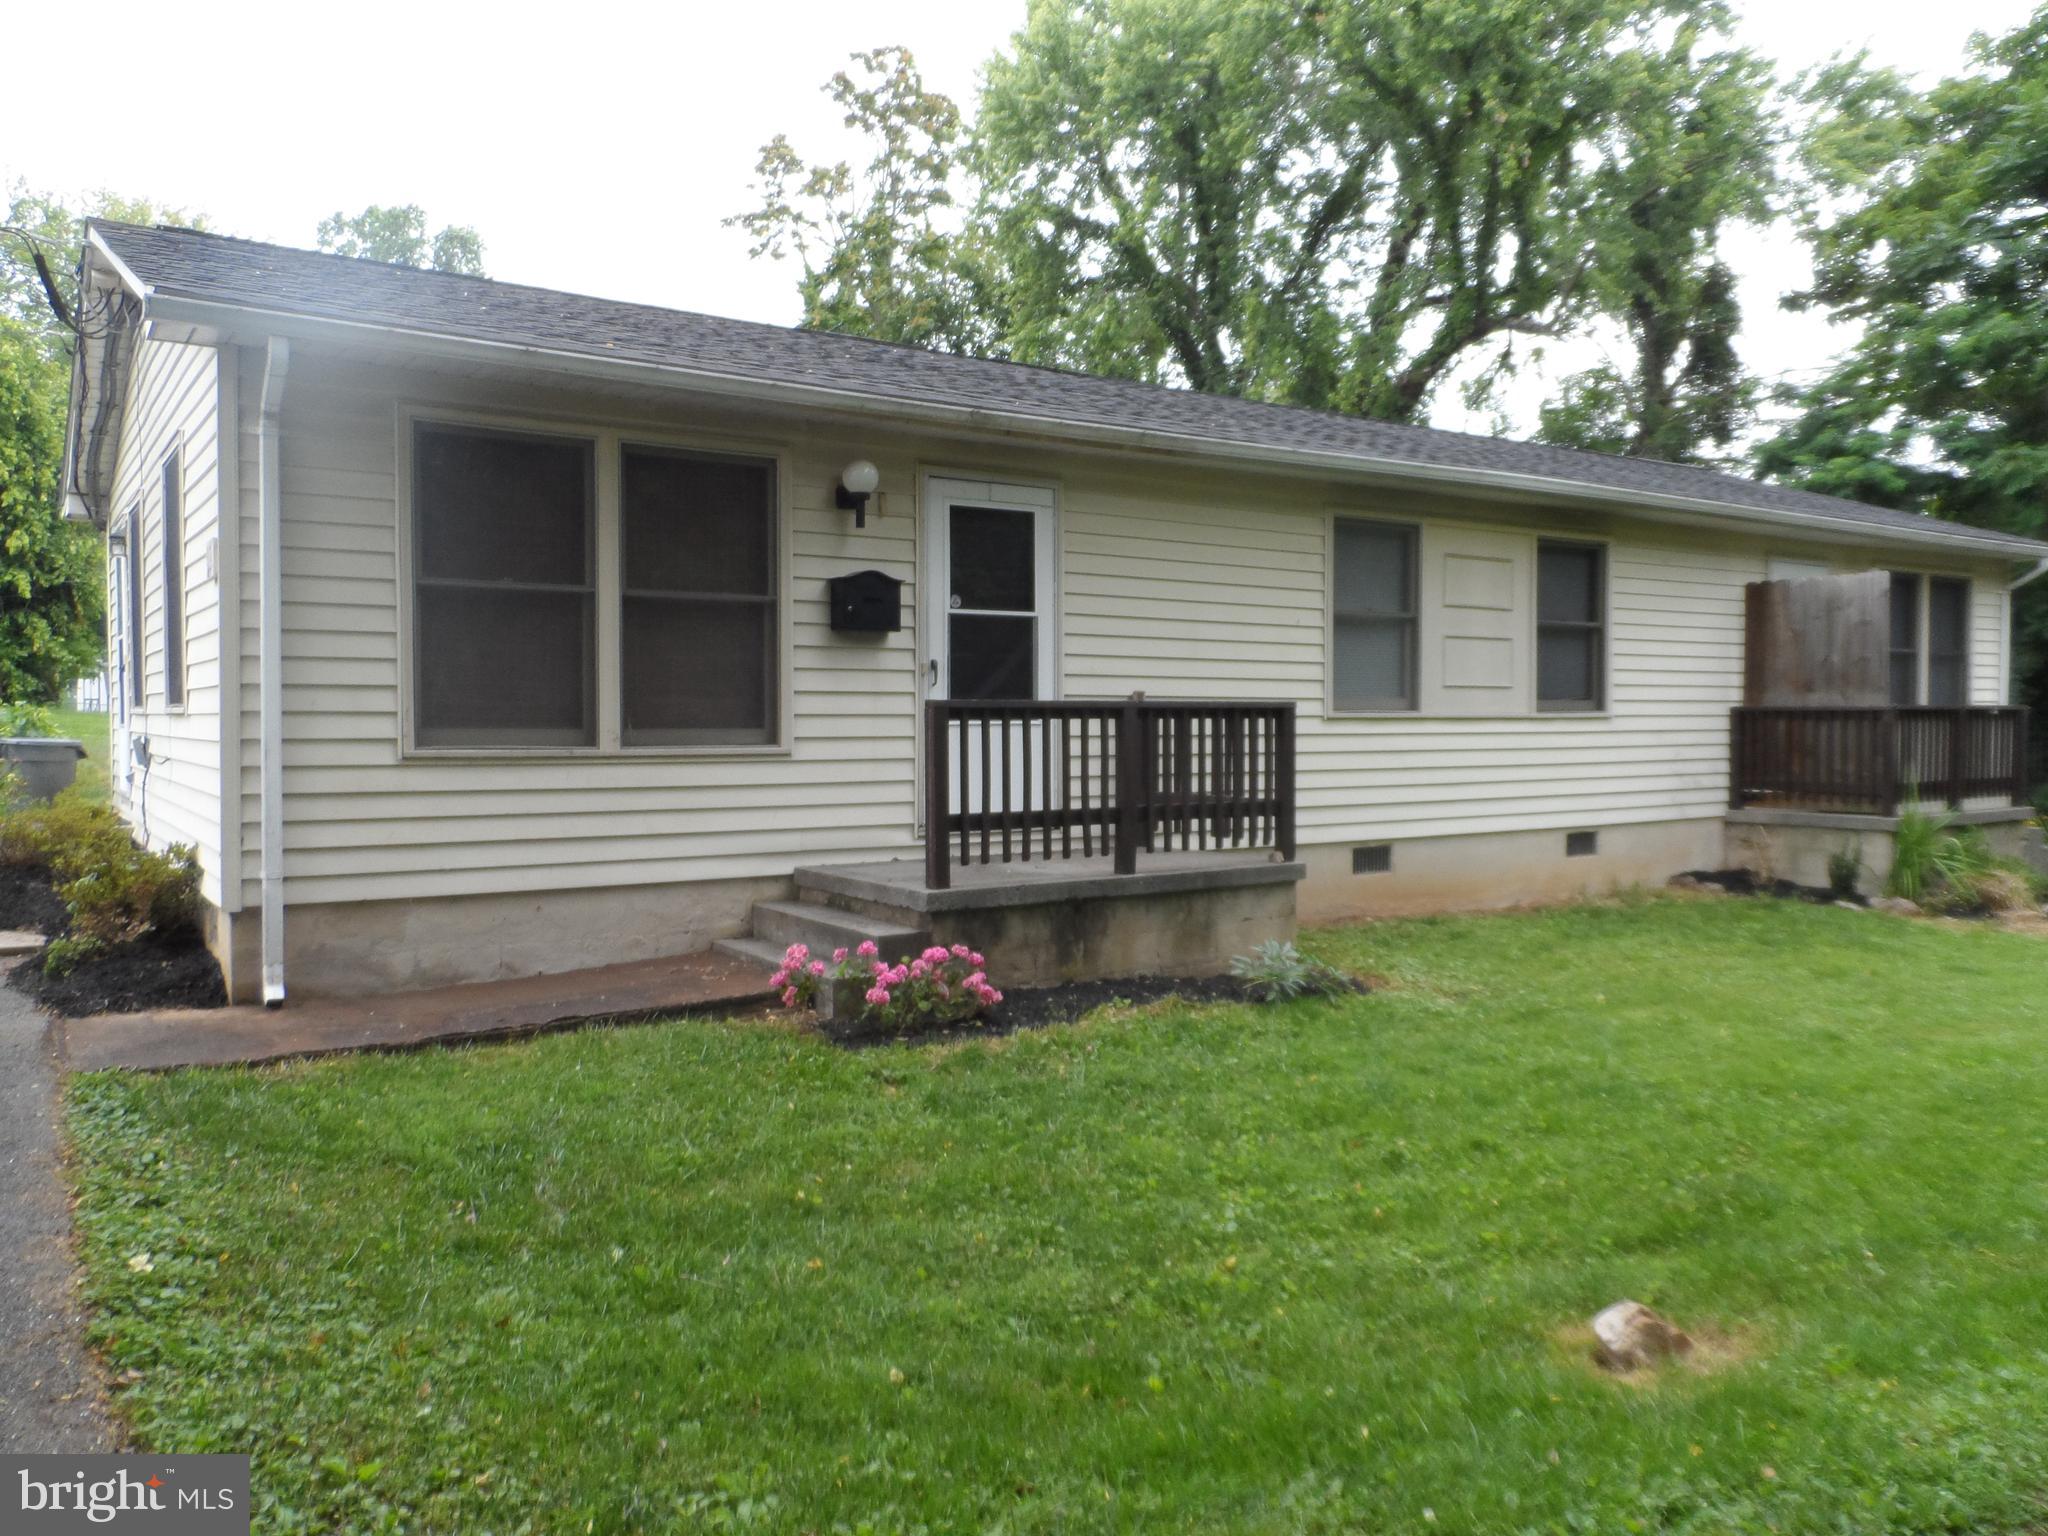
{"points": [[867, 603]]}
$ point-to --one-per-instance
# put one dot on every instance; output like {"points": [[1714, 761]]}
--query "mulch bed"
{"points": [[1036, 1007], [28, 905], [158, 970], [1743, 882]]}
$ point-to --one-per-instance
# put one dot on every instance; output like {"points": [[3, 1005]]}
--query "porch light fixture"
{"points": [[857, 483]]}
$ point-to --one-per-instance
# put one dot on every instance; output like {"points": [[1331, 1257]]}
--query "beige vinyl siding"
{"points": [[364, 821], [1180, 584], [1990, 681], [174, 401]]}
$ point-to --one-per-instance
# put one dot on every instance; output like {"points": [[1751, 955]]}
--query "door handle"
{"points": [[933, 665]]}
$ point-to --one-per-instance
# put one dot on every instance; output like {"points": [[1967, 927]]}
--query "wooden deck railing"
{"points": [[1873, 761], [1034, 779]]}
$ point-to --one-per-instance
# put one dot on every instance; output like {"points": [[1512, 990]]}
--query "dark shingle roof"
{"points": [[250, 274]]}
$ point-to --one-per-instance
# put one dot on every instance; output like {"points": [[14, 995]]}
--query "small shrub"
{"points": [[1957, 871], [1845, 871], [132, 891], [27, 720], [1277, 971], [940, 986], [1915, 846], [61, 956]]}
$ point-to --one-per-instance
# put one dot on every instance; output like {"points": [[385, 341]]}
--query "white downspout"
{"points": [[2040, 569], [270, 656]]}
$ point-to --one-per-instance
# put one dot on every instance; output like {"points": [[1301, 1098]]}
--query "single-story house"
{"points": [[469, 629]]}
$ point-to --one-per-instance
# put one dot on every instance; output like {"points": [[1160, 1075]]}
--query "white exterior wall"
{"points": [[174, 405], [1177, 583]]}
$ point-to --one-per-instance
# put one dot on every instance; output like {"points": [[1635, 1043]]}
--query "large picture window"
{"points": [[1571, 626], [697, 618], [504, 609], [1372, 606]]}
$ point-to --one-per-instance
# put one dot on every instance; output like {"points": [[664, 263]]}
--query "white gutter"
{"points": [[1177, 444], [2040, 569], [270, 654]]}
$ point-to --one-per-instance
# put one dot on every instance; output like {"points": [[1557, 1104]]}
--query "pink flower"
{"points": [[817, 967], [878, 969], [796, 954], [961, 952], [994, 996], [900, 975], [879, 996], [867, 949], [918, 969], [780, 978], [839, 956], [936, 955], [789, 997], [975, 982], [976, 961]]}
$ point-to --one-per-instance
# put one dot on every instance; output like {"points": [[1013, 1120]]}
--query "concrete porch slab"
{"points": [[485, 1010], [900, 883]]}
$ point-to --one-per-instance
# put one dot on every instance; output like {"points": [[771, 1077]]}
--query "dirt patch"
{"points": [[29, 904], [1036, 1007], [1713, 1351], [158, 970], [1744, 882]]}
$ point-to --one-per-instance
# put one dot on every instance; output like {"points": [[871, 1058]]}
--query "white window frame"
{"points": [[174, 560], [607, 436], [1923, 635]]}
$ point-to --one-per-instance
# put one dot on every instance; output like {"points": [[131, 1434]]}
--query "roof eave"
{"points": [[222, 315]]}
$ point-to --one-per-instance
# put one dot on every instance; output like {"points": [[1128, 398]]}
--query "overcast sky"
{"points": [[598, 146]]}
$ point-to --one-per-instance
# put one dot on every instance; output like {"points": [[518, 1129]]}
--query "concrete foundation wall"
{"points": [[1500, 869], [1184, 933], [350, 948], [1798, 848]]}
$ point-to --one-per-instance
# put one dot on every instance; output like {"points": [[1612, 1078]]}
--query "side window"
{"points": [[174, 580], [1372, 607], [1571, 626], [1948, 642], [1905, 650], [133, 562]]}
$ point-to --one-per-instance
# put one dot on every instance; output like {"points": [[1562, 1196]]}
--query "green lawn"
{"points": [[90, 727], [1307, 1269]]}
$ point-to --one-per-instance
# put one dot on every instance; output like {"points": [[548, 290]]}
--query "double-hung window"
{"points": [[1372, 609], [1571, 626], [131, 561], [528, 547], [697, 619], [505, 585], [1930, 616]]}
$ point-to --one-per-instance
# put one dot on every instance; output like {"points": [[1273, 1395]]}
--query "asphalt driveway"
{"points": [[49, 1398]]}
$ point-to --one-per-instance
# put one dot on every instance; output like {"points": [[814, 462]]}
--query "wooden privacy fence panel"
{"points": [[1036, 779], [1873, 761]]}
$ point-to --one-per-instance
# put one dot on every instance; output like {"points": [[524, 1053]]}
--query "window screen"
{"points": [[1905, 645], [1948, 642], [1571, 641], [698, 625], [1372, 609], [174, 582], [504, 596], [132, 560]]}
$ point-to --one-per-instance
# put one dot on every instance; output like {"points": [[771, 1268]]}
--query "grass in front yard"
{"points": [[90, 727], [1309, 1268]]}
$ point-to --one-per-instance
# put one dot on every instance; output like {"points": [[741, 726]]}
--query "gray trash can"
{"points": [[43, 764]]}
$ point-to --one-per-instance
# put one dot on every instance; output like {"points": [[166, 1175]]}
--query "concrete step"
{"points": [[825, 929]]}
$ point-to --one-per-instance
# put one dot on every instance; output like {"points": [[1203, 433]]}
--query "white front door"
{"points": [[991, 590]]}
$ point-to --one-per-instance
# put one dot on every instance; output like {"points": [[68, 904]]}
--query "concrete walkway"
{"points": [[485, 1010], [49, 1398]]}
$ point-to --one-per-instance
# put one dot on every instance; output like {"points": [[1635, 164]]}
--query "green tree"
{"points": [[881, 248], [52, 599], [1928, 233], [399, 235], [1335, 206], [1693, 150]]}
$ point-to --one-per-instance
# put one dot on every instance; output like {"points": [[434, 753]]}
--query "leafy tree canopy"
{"points": [[1332, 206], [399, 235]]}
